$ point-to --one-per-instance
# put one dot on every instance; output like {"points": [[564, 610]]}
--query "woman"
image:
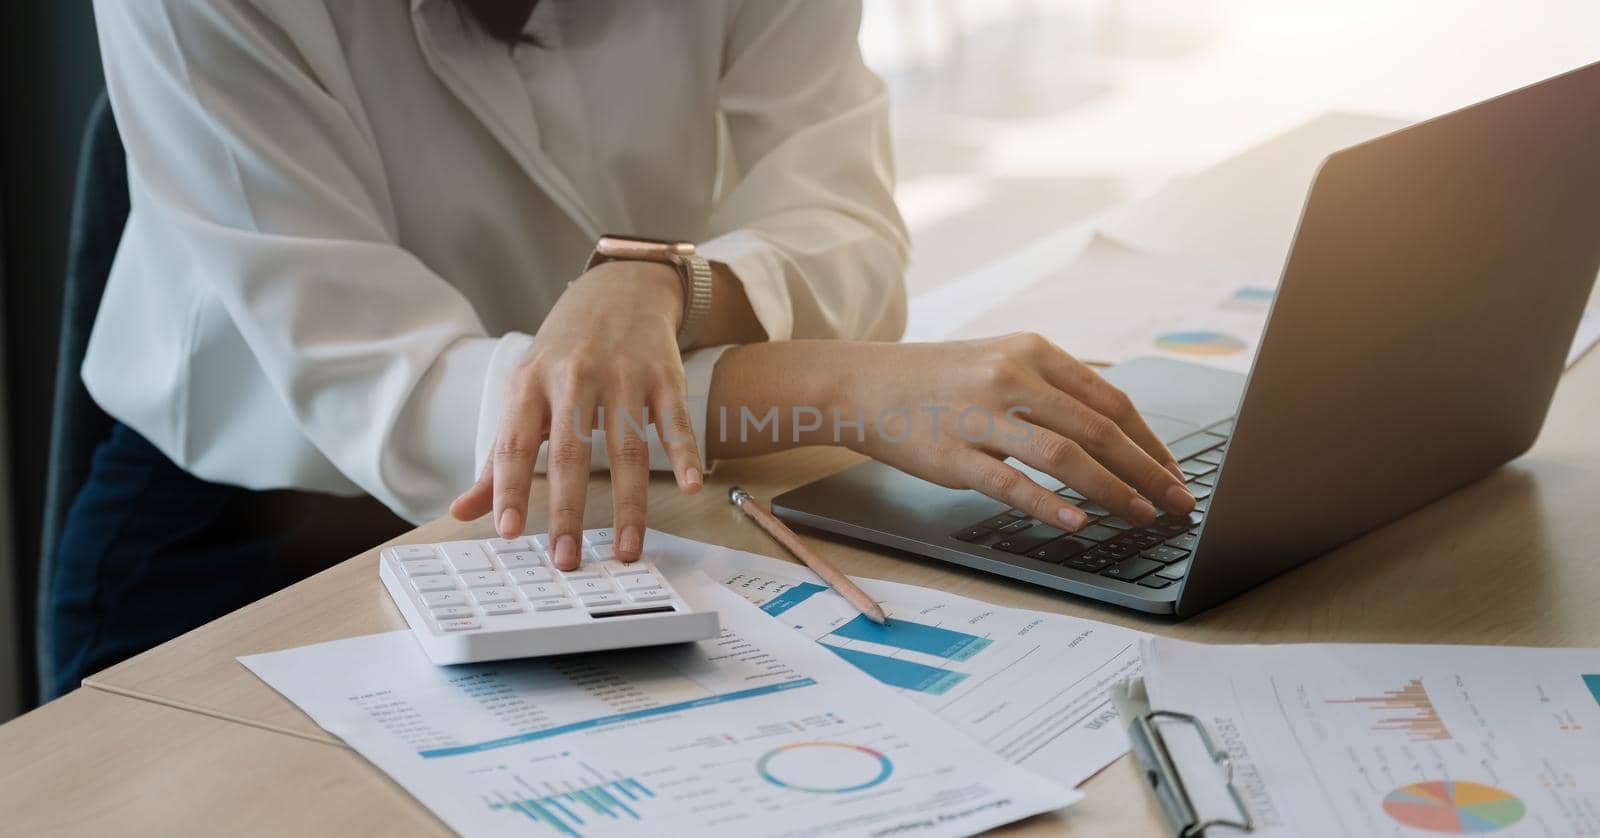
{"points": [[362, 262]]}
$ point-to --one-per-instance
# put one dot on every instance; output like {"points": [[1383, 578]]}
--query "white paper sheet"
{"points": [[1028, 685], [1588, 332], [1115, 302], [756, 732], [1370, 740]]}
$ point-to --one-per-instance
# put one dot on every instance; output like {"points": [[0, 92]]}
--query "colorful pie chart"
{"points": [[1200, 343], [1454, 807]]}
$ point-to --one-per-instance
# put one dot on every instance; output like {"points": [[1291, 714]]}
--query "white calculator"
{"points": [[469, 601]]}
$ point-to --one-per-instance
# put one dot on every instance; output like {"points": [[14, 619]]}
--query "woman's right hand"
{"points": [[951, 413]]}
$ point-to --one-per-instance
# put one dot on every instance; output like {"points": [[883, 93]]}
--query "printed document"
{"points": [[1028, 685], [1367, 740], [754, 733]]}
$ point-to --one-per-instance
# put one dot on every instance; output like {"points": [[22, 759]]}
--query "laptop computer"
{"points": [[1420, 327]]}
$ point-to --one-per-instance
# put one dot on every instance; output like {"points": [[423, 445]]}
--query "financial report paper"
{"points": [[1028, 685], [1378, 740], [754, 733]]}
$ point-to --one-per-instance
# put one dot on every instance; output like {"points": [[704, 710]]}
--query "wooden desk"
{"points": [[1513, 559]]}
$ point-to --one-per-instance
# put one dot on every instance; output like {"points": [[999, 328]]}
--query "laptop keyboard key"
{"points": [[996, 522], [1195, 468], [1088, 563], [1017, 525], [1214, 457], [1132, 569], [1200, 491], [1060, 550], [1187, 541], [1164, 554], [1176, 570], [1154, 582], [1028, 541], [1171, 525], [1189, 446], [1099, 532], [972, 534], [1117, 523]]}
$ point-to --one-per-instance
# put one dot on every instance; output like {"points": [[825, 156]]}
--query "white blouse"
{"points": [[349, 216]]}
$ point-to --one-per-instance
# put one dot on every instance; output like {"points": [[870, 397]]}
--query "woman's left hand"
{"points": [[606, 354]]}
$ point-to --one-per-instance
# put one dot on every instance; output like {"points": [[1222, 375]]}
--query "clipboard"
{"points": [[1159, 768]]}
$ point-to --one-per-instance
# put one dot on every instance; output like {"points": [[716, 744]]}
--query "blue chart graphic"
{"points": [[914, 637], [569, 810], [897, 672], [900, 634], [1593, 683]]}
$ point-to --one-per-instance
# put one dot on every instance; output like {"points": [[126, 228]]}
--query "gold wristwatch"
{"points": [[694, 271]]}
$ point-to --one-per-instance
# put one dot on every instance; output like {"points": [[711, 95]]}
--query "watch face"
{"points": [[633, 247]]}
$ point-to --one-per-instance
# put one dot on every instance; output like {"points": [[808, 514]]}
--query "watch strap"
{"points": [[696, 273]]}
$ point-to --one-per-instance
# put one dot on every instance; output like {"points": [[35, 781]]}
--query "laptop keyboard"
{"points": [[1153, 557]]}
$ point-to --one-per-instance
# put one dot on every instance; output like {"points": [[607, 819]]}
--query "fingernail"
{"points": [[1179, 499], [1177, 471], [691, 476], [510, 524], [566, 552], [630, 541], [1144, 512], [1072, 518]]}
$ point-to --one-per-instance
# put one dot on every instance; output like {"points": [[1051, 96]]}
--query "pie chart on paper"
{"points": [[1454, 807], [1200, 343]]}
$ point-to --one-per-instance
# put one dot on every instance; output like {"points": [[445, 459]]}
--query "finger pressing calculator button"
{"points": [[424, 584], [524, 575], [524, 558], [492, 594], [494, 608], [441, 598], [427, 567], [543, 590], [466, 556], [552, 604], [616, 568], [414, 552], [639, 581], [451, 612], [595, 538], [599, 600], [459, 624], [509, 545], [590, 586], [482, 580], [649, 595]]}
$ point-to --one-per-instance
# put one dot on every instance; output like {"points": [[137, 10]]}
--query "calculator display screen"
{"points": [[654, 609]]}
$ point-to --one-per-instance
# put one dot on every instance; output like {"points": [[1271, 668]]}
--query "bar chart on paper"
{"points": [[566, 807], [1030, 686]]}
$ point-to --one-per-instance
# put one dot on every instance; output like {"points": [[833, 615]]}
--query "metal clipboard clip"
{"points": [[1156, 763]]}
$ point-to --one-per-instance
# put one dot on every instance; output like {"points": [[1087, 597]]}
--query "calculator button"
{"points": [[638, 581], [424, 584], [599, 600], [541, 542], [543, 590], [460, 624], [600, 553], [413, 552], [427, 567], [552, 604], [494, 608], [466, 556], [590, 586], [595, 538], [524, 575], [438, 599], [451, 612], [523, 558], [583, 572], [482, 580], [492, 594], [509, 545], [650, 595]]}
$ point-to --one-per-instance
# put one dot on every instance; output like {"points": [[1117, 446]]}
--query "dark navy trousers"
{"points": [[151, 551]]}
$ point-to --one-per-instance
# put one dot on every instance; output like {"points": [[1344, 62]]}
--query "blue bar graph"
{"points": [[792, 597], [914, 637], [896, 672], [566, 811]]}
